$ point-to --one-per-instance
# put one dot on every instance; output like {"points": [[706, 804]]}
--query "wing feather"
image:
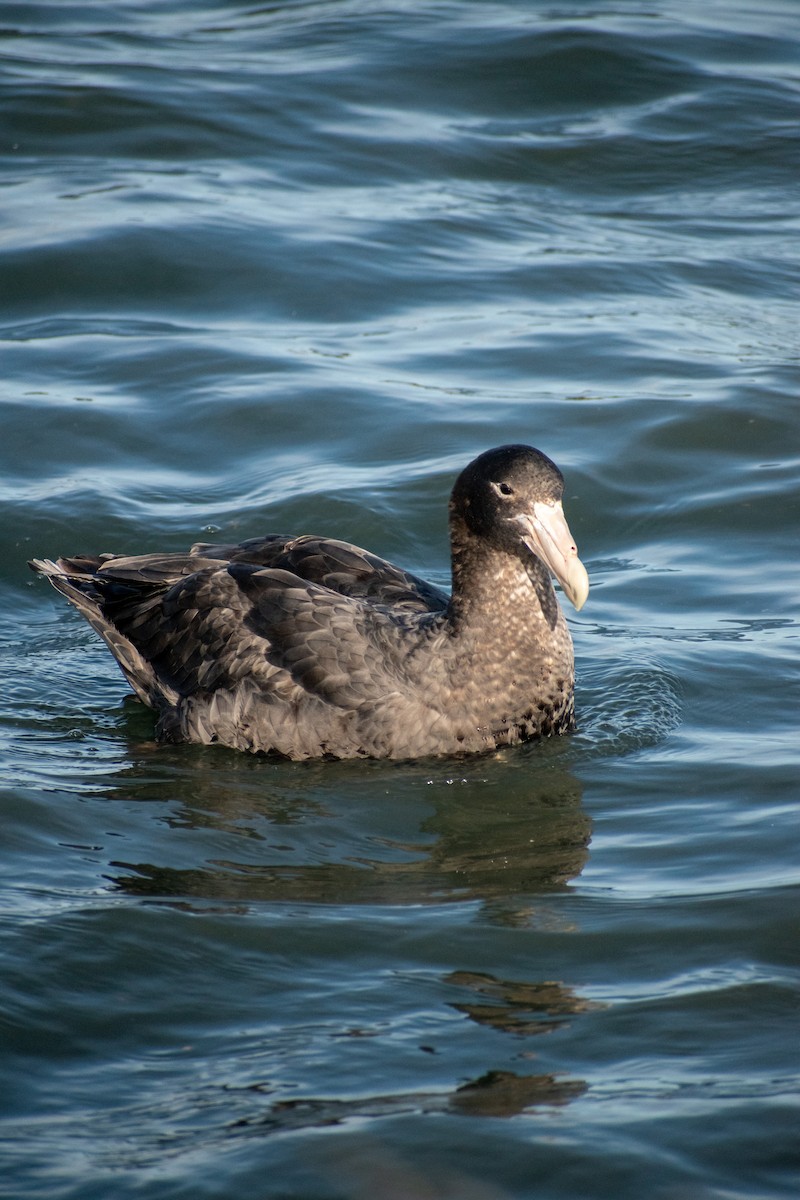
{"points": [[340, 566]]}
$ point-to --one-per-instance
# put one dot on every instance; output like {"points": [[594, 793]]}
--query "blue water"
{"points": [[288, 268]]}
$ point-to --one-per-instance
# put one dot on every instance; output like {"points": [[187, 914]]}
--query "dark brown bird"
{"points": [[312, 648]]}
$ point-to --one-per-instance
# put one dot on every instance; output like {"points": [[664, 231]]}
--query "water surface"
{"points": [[288, 268]]}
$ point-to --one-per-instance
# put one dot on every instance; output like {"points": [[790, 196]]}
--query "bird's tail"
{"points": [[77, 579]]}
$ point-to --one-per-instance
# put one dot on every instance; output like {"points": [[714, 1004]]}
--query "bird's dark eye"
{"points": [[505, 489]]}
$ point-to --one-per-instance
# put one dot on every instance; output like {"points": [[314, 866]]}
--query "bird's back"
{"points": [[299, 646]]}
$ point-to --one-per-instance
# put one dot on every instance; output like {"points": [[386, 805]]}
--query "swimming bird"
{"points": [[307, 647]]}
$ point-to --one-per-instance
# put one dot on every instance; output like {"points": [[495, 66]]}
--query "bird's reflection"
{"points": [[501, 831], [495, 1094], [513, 1006], [234, 833]]}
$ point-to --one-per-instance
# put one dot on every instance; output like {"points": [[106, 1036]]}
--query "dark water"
{"points": [[288, 267]]}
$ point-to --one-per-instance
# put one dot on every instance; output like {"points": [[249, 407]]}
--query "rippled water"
{"points": [[287, 268]]}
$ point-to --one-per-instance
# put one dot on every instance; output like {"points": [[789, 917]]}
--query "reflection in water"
{"points": [[504, 832], [501, 838], [519, 1008], [495, 1094]]}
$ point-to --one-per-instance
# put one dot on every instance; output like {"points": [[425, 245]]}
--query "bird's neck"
{"points": [[492, 584], [509, 643]]}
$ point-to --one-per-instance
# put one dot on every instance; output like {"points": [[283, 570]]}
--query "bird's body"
{"points": [[309, 647]]}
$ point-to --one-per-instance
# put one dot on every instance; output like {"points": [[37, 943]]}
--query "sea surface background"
{"points": [[288, 267]]}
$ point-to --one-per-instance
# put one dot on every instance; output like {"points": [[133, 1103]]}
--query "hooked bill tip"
{"points": [[576, 585]]}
